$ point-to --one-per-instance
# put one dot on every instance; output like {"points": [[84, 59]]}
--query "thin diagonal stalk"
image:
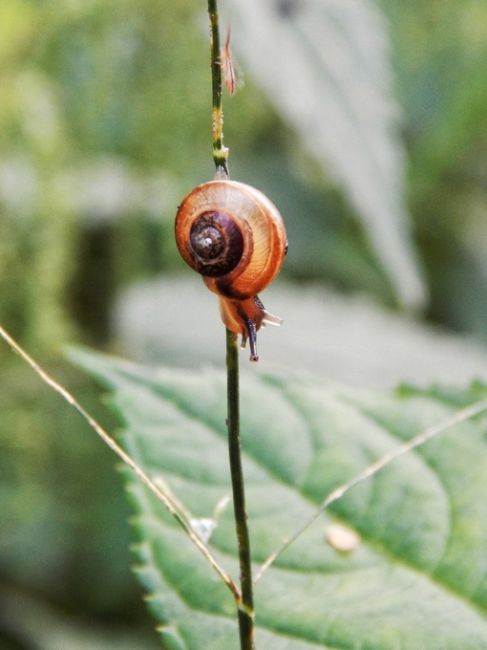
{"points": [[159, 492], [220, 152], [246, 606], [419, 439]]}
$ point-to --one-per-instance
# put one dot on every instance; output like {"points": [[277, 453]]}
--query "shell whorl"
{"points": [[216, 243], [233, 235]]}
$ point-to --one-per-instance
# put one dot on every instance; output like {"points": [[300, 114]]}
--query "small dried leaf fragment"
{"points": [[228, 66]]}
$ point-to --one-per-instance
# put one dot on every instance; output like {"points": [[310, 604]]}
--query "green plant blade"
{"points": [[326, 68], [418, 577]]}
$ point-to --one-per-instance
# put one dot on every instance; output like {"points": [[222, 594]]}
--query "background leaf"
{"points": [[418, 578], [324, 65], [351, 339]]}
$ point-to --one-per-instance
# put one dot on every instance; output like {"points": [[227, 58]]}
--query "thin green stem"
{"points": [[220, 156], [220, 152], [246, 606]]}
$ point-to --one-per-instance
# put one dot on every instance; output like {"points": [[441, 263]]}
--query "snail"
{"points": [[235, 237]]}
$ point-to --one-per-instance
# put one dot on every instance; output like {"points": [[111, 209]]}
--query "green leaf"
{"points": [[326, 66], [418, 578]]}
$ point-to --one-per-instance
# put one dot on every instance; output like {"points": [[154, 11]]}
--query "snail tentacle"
{"points": [[252, 336]]}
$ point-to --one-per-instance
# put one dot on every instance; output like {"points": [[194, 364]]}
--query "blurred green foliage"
{"points": [[440, 51], [128, 81]]}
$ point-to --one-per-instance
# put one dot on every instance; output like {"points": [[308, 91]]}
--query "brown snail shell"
{"points": [[235, 237]]}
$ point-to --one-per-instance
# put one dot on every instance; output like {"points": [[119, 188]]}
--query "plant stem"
{"points": [[220, 152], [246, 606], [220, 156]]}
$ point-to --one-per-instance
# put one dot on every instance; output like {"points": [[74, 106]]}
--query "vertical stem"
{"points": [[246, 607], [220, 157], [220, 152]]}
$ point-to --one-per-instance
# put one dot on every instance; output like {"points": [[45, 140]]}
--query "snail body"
{"points": [[234, 236]]}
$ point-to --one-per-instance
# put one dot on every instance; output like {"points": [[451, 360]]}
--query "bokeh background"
{"points": [[365, 121]]}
